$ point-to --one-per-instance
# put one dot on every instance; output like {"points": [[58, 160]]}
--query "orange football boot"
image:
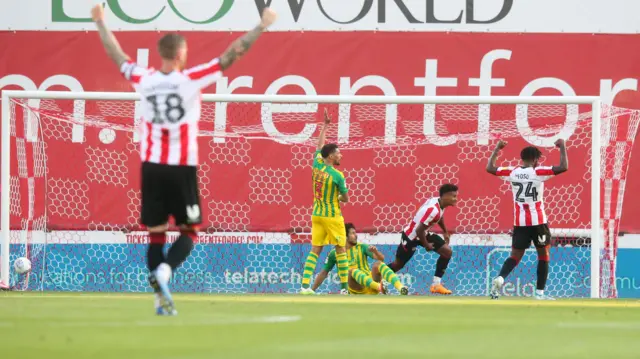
{"points": [[439, 289]]}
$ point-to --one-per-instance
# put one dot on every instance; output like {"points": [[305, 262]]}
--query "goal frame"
{"points": [[594, 101]]}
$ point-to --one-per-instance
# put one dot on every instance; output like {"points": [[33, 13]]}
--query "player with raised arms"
{"points": [[170, 103], [327, 223], [416, 234], [530, 220], [363, 279]]}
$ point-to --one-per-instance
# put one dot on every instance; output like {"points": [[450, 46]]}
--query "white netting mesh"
{"points": [[75, 191]]}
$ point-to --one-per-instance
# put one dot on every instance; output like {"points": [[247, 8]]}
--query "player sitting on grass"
{"points": [[417, 234], [362, 279]]}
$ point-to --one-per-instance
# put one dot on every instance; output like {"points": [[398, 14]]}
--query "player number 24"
{"points": [[174, 112], [529, 192]]}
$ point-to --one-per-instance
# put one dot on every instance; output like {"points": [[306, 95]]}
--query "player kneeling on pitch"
{"points": [[362, 278], [417, 234]]}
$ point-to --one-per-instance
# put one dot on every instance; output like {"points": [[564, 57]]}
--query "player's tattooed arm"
{"points": [[319, 279], [240, 46], [491, 165], [564, 160], [111, 45], [421, 232]]}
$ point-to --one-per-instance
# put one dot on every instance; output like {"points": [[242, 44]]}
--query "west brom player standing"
{"points": [[170, 101], [327, 223], [530, 220], [417, 234]]}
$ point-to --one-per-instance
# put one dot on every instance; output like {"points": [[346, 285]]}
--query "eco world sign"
{"points": [[579, 16]]}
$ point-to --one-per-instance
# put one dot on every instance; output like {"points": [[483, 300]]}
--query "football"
{"points": [[22, 265]]}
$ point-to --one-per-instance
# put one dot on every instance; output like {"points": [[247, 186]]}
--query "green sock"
{"points": [[390, 276], [309, 268], [343, 270], [365, 279]]}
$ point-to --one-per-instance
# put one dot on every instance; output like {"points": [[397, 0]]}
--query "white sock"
{"points": [[437, 280], [539, 292]]}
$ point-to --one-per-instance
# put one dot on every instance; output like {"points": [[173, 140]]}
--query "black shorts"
{"points": [[522, 236], [407, 247], [169, 191]]}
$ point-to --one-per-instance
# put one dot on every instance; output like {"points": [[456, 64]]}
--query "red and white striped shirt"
{"points": [[171, 109], [429, 214], [528, 187]]}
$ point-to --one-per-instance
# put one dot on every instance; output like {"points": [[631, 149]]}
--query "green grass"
{"points": [[37, 325]]}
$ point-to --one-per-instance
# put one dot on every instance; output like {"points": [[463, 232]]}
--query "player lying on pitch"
{"points": [[417, 234], [362, 278]]}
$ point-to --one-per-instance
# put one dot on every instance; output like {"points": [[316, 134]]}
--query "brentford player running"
{"points": [[530, 220], [170, 101], [417, 234]]}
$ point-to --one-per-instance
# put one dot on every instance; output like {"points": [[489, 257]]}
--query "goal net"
{"points": [[71, 193]]}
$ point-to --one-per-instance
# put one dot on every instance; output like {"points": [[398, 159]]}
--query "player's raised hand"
{"points": [[373, 249], [501, 144], [327, 119], [559, 143], [97, 13], [269, 16]]}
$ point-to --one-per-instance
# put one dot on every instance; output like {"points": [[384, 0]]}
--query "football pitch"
{"points": [[64, 325]]}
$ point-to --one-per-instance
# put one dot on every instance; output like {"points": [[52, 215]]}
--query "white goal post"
{"points": [[35, 96]]}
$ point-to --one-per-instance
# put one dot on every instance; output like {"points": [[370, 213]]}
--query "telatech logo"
{"points": [[413, 11]]}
